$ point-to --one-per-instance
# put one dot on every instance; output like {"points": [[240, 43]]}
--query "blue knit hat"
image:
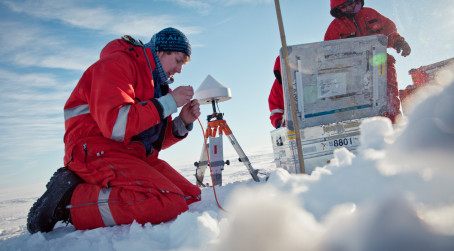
{"points": [[170, 39]]}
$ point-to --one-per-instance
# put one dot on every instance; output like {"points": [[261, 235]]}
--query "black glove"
{"points": [[404, 46]]}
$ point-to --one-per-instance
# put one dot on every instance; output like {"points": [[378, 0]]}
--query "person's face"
{"points": [[172, 63], [348, 6]]}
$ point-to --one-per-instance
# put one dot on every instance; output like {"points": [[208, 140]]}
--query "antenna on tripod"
{"points": [[212, 92]]}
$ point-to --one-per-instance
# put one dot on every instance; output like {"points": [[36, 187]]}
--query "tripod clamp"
{"points": [[215, 115]]}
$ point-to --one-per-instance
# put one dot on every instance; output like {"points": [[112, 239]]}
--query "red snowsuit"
{"points": [[112, 104], [365, 23], [276, 97]]}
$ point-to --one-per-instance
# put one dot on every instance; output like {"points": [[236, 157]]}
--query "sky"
{"points": [[48, 44], [393, 193]]}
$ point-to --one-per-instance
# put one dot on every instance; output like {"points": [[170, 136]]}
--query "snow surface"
{"points": [[397, 193]]}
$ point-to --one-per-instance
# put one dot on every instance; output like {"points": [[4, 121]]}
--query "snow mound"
{"points": [[395, 194]]}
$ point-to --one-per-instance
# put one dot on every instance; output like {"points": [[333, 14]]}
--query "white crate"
{"points": [[336, 80], [318, 144]]}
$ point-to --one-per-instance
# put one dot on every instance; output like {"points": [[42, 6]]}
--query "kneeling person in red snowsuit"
{"points": [[117, 120], [354, 20]]}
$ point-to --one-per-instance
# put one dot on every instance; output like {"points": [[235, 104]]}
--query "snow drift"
{"points": [[395, 194]]}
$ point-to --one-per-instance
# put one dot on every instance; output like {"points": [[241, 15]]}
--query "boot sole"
{"points": [[41, 215]]}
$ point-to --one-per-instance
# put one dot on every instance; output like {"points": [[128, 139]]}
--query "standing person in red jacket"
{"points": [[276, 97], [117, 120], [354, 20]]}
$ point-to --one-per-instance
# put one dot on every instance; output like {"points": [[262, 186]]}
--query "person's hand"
{"points": [[190, 112], [278, 125], [182, 95], [404, 46]]}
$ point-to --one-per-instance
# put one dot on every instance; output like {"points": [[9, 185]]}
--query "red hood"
{"points": [[335, 3], [120, 45], [337, 13]]}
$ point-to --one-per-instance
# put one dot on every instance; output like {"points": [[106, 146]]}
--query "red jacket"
{"points": [[369, 22], [114, 99], [276, 97], [366, 22]]}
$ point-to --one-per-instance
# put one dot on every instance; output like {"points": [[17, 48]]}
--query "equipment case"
{"points": [[336, 84]]}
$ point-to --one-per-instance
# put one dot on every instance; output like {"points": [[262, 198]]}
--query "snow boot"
{"points": [[51, 206]]}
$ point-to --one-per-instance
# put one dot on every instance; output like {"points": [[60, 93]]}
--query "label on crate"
{"points": [[331, 85], [341, 142]]}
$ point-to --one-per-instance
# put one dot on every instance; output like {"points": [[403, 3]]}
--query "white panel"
{"points": [[337, 80]]}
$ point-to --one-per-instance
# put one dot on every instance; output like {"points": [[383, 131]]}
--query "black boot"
{"points": [[51, 206]]}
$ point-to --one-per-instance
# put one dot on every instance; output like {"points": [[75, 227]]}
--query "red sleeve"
{"points": [[390, 30], [276, 103], [170, 138], [385, 25], [333, 31], [112, 100]]}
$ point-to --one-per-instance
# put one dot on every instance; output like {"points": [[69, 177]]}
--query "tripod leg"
{"points": [[243, 157], [201, 167]]}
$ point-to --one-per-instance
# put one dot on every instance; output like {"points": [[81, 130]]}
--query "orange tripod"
{"points": [[218, 126]]}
